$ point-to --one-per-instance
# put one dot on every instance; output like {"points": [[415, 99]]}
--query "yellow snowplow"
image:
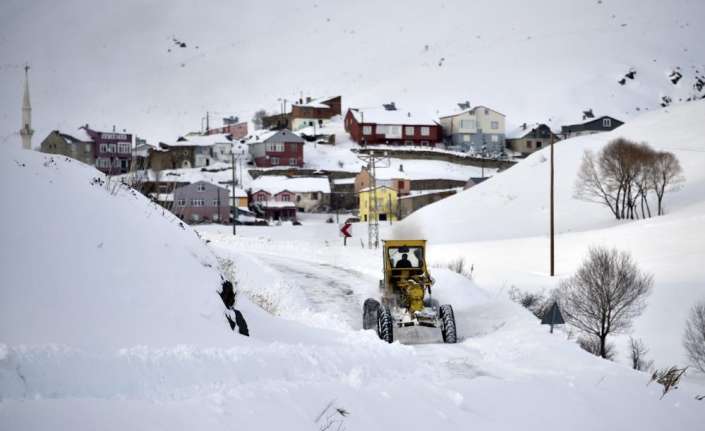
{"points": [[405, 293]]}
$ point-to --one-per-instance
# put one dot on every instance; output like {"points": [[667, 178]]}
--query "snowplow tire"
{"points": [[385, 324], [448, 324], [370, 310]]}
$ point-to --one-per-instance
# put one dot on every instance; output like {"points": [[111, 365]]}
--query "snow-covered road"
{"points": [[330, 289]]}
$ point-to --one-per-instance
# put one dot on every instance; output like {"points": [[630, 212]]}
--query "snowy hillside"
{"points": [[536, 61], [501, 226]]}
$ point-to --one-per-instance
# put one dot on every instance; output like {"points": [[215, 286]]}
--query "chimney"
{"points": [[523, 126], [113, 128], [401, 168], [308, 99]]}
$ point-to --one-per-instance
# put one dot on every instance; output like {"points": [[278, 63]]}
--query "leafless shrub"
{"points": [[460, 266], [668, 377], [592, 344], [637, 355], [607, 292], [694, 338], [536, 302], [664, 174]]}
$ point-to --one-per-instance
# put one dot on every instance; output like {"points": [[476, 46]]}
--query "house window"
{"points": [[88, 148], [261, 197], [215, 202], [487, 111], [314, 195], [539, 144], [292, 162], [467, 124], [197, 202], [466, 138], [425, 131], [111, 148], [494, 125], [284, 198], [123, 148], [201, 188], [181, 202], [424, 143], [274, 161], [367, 130], [606, 122], [495, 138], [124, 164], [529, 144], [409, 130], [279, 147], [195, 217], [103, 148]]}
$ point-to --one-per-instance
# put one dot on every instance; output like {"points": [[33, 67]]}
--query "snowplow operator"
{"points": [[404, 262]]}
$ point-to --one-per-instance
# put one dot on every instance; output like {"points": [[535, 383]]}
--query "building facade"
{"points": [[384, 198], [528, 138], [479, 130], [598, 125], [391, 127], [232, 126], [202, 202], [109, 152], [280, 148], [314, 112]]}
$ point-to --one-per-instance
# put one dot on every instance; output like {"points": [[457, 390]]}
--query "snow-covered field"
{"points": [[109, 319], [501, 226]]}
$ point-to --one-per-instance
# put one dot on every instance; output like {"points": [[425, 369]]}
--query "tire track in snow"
{"points": [[329, 289]]}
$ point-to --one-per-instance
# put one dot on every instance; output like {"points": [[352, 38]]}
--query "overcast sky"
{"points": [[116, 63]]}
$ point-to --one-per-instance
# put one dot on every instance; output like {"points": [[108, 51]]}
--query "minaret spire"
{"points": [[26, 131]]}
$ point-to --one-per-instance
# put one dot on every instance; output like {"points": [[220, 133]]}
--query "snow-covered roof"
{"points": [[82, 135], [464, 111], [367, 189], [344, 181], [277, 183], [521, 131], [316, 103], [200, 140], [273, 136], [277, 204], [383, 116]]}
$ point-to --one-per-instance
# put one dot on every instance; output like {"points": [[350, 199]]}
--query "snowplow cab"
{"points": [[406, 295]]}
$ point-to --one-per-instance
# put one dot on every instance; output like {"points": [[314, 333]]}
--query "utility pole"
{"points": [[372, 205], [234, 207], [553, 272]]}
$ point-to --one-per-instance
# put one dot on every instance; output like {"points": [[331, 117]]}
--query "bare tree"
{"points": [[637, 355], [623, 175], [257, 118], [591, 186], [664, 175], [607, 292], [694, 338]]}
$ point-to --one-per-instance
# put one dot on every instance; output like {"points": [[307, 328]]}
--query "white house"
{"points": [[479, 129]]}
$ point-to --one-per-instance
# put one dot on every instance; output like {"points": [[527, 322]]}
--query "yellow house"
{"points": [[386, 200]]}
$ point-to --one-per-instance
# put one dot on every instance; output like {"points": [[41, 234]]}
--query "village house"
{"points": [[397, 180], [314, 112], [202, 202], [110, 152], [279, 206], [307, 193], [140, 154], [232, 126], [597, 125], [79, 146], [528, 138], [191, 151], [478, 130], [391, 126], [276, 148], [385, 199]]}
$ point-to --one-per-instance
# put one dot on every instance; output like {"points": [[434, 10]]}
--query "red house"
{"points": [[281, 206], [391, 126], [277, 148]]}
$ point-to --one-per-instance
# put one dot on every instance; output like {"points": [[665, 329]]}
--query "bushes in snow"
{"points": [[604, 296], [536, 302], [461, 267], [694, 338], [637, 355], [592, 344], [668, 378], [624, 175]]}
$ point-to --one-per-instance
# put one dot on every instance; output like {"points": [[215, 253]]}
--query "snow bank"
{"points": [[91, 264]]}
